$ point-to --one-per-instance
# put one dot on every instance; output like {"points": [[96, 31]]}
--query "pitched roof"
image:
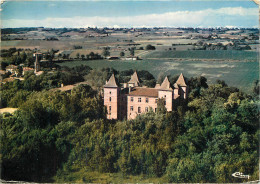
{"points": [[175, 86], [11, 67], [111, 82], [140, 91], [181, 81], [166, 85], [27, 69], [134, 79]]}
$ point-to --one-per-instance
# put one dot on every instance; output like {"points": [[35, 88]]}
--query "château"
{"points": [[132, 99]]}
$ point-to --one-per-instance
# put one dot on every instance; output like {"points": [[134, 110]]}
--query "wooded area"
{"points": [[55, 134]]}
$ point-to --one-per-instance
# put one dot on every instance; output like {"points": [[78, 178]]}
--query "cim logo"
{"points": [[240, 175]]}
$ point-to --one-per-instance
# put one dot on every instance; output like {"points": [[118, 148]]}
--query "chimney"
{"points": [[130, 89], [125, 85]]}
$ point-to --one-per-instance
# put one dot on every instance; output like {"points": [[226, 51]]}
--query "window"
{"points": [[139, 109], [155, 109], [156, 100], [132, 99], [109, 110], [164, 102], [147, 100], [146, 109], [131, 108], [139, 99], [110, 92], [110, 99]]}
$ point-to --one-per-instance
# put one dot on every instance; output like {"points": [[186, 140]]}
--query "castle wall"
{"points": [[168, 96], [143, 106], [183, 92], [111, 101]]}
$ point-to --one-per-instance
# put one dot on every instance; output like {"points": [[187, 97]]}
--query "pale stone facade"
{"points": [[132, 99]]}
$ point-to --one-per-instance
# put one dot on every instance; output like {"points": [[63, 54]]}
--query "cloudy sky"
{"points": [[174, 13]]}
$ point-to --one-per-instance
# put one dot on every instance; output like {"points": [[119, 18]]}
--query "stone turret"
{"points": [[166, 92], [111, 98], [183, 90], [134, 81]]}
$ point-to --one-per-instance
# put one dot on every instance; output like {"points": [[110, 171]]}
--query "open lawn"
{"points": [[238, 74]]}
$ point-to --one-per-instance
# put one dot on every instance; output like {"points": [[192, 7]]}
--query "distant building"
{"points": [[11, 68], [27, 69], [36, 63], [134, 58], [113, 58], [133, 99]]}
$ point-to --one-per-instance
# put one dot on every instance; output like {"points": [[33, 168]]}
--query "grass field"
{"points": [[87, 176], [205, 54], [238, 74]]}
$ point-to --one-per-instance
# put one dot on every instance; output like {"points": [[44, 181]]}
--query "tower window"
{"points": [[110, 92], [139, 99], [109, 110], [139, 109], [110, 99]]}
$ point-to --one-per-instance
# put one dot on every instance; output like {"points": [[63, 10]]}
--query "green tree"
{"points": [[106, 51], [122, 54], [77, 55]]}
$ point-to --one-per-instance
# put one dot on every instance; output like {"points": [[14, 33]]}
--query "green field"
{"points": [[205, 54], [239, 74]]}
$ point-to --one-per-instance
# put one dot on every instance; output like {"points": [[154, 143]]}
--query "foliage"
{"points": [[150, 47], [106, 51], [206, 139]]}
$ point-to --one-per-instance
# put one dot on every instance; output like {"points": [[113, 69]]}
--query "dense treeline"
{"points": [[58, 136], [15, 93]]}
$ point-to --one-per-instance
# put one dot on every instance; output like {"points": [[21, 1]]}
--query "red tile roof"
{"points": [[139, 91]]}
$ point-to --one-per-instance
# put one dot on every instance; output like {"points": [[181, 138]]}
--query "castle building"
{"points": [[133, 99]]}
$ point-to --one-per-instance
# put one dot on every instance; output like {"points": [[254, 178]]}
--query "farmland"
{"points": [[239, 74], [224, 54], [232, 55]]}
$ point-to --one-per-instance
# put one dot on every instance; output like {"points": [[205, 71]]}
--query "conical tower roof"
{"points": [[111, 83], [166, 85], [134, 79], [181, 81]]}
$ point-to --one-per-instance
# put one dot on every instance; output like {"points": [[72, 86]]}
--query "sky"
{"points": [[166, 13]]}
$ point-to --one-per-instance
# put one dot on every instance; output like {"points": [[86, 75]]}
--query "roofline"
{"points": [[110, 87], [142, 95]]}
